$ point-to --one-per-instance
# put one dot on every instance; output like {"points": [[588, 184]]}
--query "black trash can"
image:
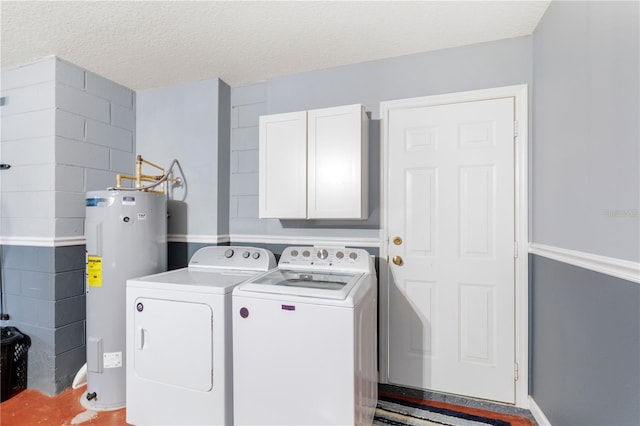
{"points": [[13, 362]]}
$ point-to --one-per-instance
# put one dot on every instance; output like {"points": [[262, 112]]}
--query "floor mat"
{"points": [[403, 410]]}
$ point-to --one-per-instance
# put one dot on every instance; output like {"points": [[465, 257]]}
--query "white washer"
{"points": [[179, 353], [305, 340]]}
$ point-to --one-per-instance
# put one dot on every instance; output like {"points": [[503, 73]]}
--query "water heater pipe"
{"points": [[140, 177]]}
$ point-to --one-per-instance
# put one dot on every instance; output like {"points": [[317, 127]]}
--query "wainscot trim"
{"points": [[624, 269], [43, 241]]}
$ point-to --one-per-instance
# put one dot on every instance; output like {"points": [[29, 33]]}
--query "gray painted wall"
{"points": [[65, 131], [189, 122], [585, 345], [585, 326], [586, 149], [481, 66]]}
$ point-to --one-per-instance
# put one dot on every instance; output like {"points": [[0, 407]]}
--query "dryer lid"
{"points": [[319, 284]]}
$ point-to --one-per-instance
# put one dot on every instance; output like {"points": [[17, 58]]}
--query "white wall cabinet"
{"points": [[314, 164]]}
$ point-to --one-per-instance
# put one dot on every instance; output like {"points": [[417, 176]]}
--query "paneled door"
{"points": [[451, 227]]}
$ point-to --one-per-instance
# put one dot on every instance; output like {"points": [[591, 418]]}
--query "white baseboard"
{"points": [[537, 413], [624, 269]]}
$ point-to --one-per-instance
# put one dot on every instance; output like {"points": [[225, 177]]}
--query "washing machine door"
{"points": [[173, 342]]}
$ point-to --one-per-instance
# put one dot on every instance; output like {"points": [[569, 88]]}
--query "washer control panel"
{"points": [[338, 258], [250, 258]]}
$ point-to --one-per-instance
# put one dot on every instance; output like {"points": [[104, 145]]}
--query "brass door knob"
{"points": [[397, 260], [397, 241]]}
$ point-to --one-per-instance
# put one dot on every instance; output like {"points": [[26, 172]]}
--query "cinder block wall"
{"points": [[65, 131]]}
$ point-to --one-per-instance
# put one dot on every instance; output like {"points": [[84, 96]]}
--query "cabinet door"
{"points": [[337, 161], [283, 166]]}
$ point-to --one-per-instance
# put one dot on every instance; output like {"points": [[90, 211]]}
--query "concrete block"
{"points": [[29, 98], [122, 162], [28, 125], [69, 310], [28, 204], [248, 114], [69, 125], [78, 153], [37, 177], [11, 281], [67, 365], [29, 258], [32, 311], [249, 94], [109, 136], [247, 207], [69, 74], [234, 117], [24, 152], [82, 103], [69, 337], [69, 178], [245, 138], [97, 180], [244, 184], [27, 74], [69, 204], [108, 89], [233, 160], [247, 161], [69, 228], [70, 258], [37, 285], [70, 283], [233, 206], [123, 117], [32, 228]]}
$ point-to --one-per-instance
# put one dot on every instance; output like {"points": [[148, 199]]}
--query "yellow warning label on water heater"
{"points": [[94, 271]]}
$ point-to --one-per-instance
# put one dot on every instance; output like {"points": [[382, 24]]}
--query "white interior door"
{"points": [[451, 203]]}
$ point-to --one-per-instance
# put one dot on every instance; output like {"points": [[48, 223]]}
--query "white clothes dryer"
{"points": [[305, 340], [179, 342]]}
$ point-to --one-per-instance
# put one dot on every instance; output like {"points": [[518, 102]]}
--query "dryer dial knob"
{"points": [[323, 254], [294, 253], [339, 255], [245, 254], [228, 253], [353, 255], [306, 253], [256, 255]]}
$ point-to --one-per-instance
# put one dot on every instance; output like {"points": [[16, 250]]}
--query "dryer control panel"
{"points": [[326, 258], [233, 257]]}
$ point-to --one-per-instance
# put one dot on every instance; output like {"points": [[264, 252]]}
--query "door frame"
{"points": [[521, 158]]}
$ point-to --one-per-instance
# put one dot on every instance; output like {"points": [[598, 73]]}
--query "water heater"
{"points": [[126, 233]]}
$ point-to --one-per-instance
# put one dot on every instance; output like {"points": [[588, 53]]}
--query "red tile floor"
{"points": [[31, 407]]}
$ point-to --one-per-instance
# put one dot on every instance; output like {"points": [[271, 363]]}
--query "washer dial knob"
{"points": [[228, 253], [323, 254], [306, 253], [339, 255], [256, 255], [245, 254], [353, 255]]}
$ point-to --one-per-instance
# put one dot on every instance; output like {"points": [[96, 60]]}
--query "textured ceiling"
{"points": [[145, 44]]}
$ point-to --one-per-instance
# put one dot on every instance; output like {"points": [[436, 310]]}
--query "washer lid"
{"points": [[309, 283]]}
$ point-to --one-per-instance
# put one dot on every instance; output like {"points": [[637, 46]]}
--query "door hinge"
{"points": [[516, 372], [515, 129], [515, 249]]}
